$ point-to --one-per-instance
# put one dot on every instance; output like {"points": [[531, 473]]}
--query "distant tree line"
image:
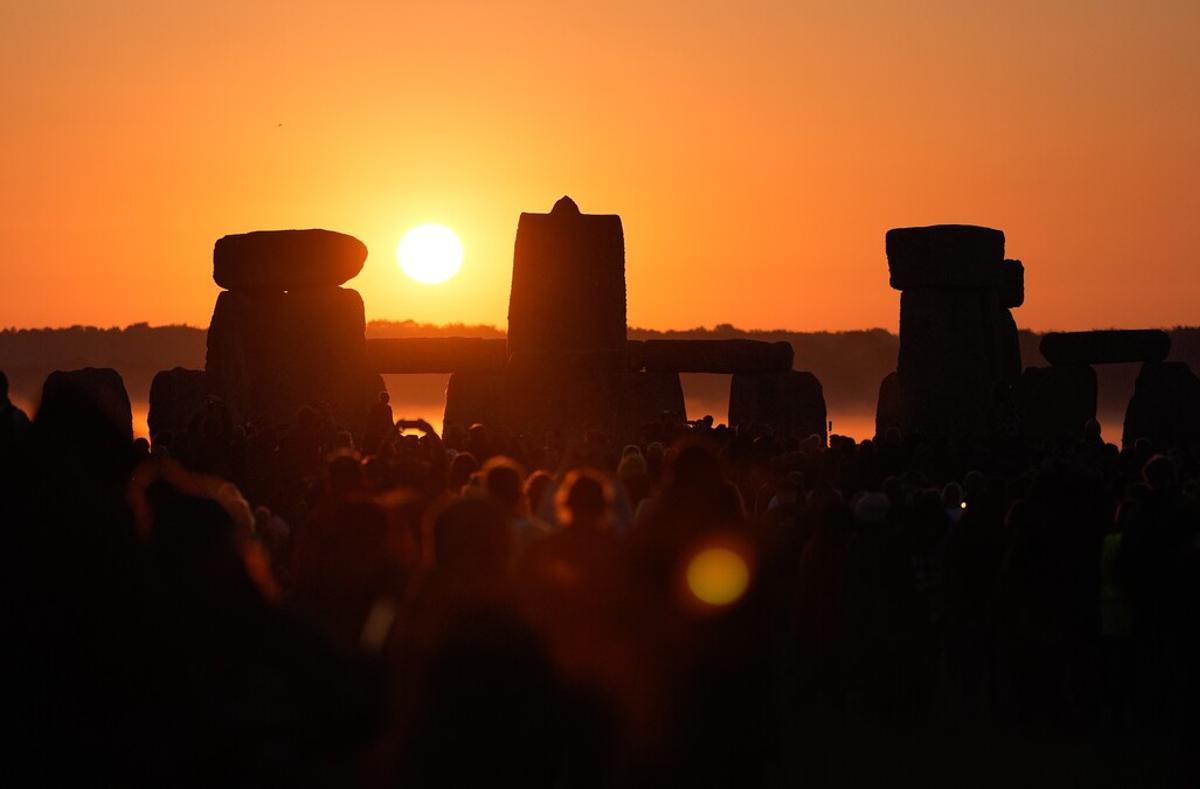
{"points": [[849, 364]]}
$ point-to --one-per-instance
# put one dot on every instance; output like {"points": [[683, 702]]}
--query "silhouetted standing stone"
{"points": [[649, 397], [88, 395], [1165, 407], [566, 392], [473, 397], [1106, 347], [270, 353], [176, 395], [568, 282], [1056, 401], [959, 348], [324, 336], [285, 335], [568, 366], [1012, 284], [888, 411], [279, 260], [1010, 348], [949, 355], [242, 341], [792, 403], [567, 362]]}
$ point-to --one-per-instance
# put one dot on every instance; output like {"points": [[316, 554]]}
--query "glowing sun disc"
{"points": [[430, 253]]}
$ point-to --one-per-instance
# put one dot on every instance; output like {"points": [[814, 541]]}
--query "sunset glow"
{"points": [[541, 393], [778, 142]]}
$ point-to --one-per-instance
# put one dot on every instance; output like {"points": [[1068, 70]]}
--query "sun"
{"points": [[430, 253]]}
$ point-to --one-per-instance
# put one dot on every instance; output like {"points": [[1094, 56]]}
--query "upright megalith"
{"points": [[791, 403], [566, 367], [84, 425], [1012, 284], [101, 387], [1057, 401], [91, 400], [948, 342], [1165, 407], [569, 393], [887, 410], [652, 397], [958, 341], [568, 282], [1009, 344], [569, 367], [176, 395], [1060, 399], [284, 334], [473, 397]]}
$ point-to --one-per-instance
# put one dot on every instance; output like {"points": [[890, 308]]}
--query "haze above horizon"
{"points": [[756, 156]]}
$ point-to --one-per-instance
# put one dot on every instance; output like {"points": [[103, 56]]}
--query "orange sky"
{"points": [[756, 151]]}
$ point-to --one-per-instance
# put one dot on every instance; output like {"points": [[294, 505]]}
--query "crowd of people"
{"points": [[704, 606]]}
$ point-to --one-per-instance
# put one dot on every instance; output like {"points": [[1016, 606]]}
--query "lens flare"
{"points": [[718, 576]]}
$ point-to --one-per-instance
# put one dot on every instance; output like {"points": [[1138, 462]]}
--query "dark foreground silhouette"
{"points": [[706, 607], [575, 587]]}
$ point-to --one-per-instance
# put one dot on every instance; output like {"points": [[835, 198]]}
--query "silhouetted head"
{"points": [[929, 512], [696, 467], [502, 480], [471, 535], [384, 398], [655, 453], [974, 484], [344, 471], [1127, 511], [535, 489], [632, 465], [825, 504], [952, 495], [871, 509], [584, 500], [461, 469], [479, 440], [306, 418], [197, 529], [1159, 472]]}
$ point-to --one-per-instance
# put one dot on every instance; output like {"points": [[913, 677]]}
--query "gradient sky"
{"points": [[756, 151]]}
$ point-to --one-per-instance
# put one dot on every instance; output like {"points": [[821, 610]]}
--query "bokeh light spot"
{"points": [[718, 576]]}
